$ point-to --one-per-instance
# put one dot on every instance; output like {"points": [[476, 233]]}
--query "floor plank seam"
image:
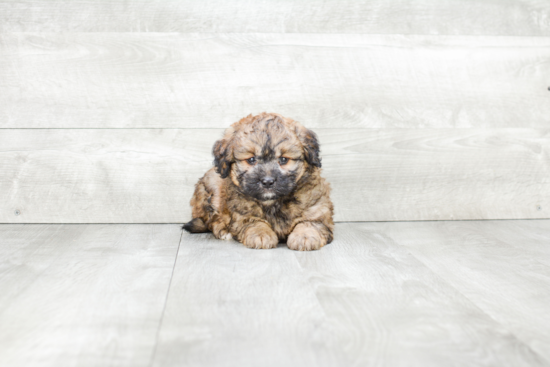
{"points": [[153, 354]]}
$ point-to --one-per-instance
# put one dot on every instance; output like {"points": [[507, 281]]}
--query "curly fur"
{"points": [[292, 204]]}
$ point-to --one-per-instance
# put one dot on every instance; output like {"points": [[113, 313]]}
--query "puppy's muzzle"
{"points": [[267, 182]]}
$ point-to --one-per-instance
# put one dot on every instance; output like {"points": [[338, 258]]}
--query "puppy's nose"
{"points": [[267, 181]]}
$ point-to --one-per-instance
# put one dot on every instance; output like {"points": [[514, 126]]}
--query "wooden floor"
{"points": [[473, 293], [425, 110]]}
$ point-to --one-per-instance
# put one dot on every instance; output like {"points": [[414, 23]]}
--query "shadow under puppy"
{"points": [[265, 187]]}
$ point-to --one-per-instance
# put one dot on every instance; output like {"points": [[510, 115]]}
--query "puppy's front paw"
{"points": [[305, 237], [260, 237], [222, 234], [226, 236]]}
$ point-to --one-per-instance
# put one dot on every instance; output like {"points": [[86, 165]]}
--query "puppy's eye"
{"points": [[283, 161], [251, 160]]}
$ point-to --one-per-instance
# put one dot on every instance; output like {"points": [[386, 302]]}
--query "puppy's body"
{"points": [[266, 187]]}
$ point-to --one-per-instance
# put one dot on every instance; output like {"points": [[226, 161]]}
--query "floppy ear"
{"points": [[311, 146], [223, 157]]}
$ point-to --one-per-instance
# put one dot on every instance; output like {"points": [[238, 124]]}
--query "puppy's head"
{"points": [[266, 155]]}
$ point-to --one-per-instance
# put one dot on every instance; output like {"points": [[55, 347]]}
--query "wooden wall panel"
{"points": [[147, 175], [439, 174], [456, 17], [137, 80]]}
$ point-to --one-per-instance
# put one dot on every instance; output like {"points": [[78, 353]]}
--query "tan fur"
{"points": [[302, 218]]}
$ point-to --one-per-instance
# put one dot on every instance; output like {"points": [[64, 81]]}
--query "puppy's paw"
{"points": [[221, 233], [260, 237], [226, 236], [305, 237]]}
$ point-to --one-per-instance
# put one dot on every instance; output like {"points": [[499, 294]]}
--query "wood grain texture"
{"points": [[83, 295], [147, 176], [363, 300], [521, 18], [91, 80], [532, 236], [232, 306], [508, 277], [441, 174], [382, 294]]}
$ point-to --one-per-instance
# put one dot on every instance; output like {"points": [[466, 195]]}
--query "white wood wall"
{"points": [[425, 110]]}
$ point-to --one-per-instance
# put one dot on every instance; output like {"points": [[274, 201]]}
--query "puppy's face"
{"points": [[268, 163], [266, 155]]}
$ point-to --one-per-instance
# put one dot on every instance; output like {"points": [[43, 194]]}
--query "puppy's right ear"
{"points": [[223, 157]]}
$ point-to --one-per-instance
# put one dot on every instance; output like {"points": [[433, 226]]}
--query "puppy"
{"points": [[265, 187]]}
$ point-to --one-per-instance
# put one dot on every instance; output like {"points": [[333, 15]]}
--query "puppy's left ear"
{"points": [[311, 146], [223, 156]]}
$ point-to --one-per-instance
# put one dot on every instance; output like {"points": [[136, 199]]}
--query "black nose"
{"points": [[267, 181]]}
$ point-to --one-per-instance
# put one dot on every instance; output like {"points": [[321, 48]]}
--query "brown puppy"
{"points": [[265, 187]]}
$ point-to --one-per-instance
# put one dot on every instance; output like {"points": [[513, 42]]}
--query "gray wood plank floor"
{"points": [[382, 294], [83, 295]]}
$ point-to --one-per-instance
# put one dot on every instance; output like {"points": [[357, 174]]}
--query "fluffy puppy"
{"points": [[265, 187]]}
